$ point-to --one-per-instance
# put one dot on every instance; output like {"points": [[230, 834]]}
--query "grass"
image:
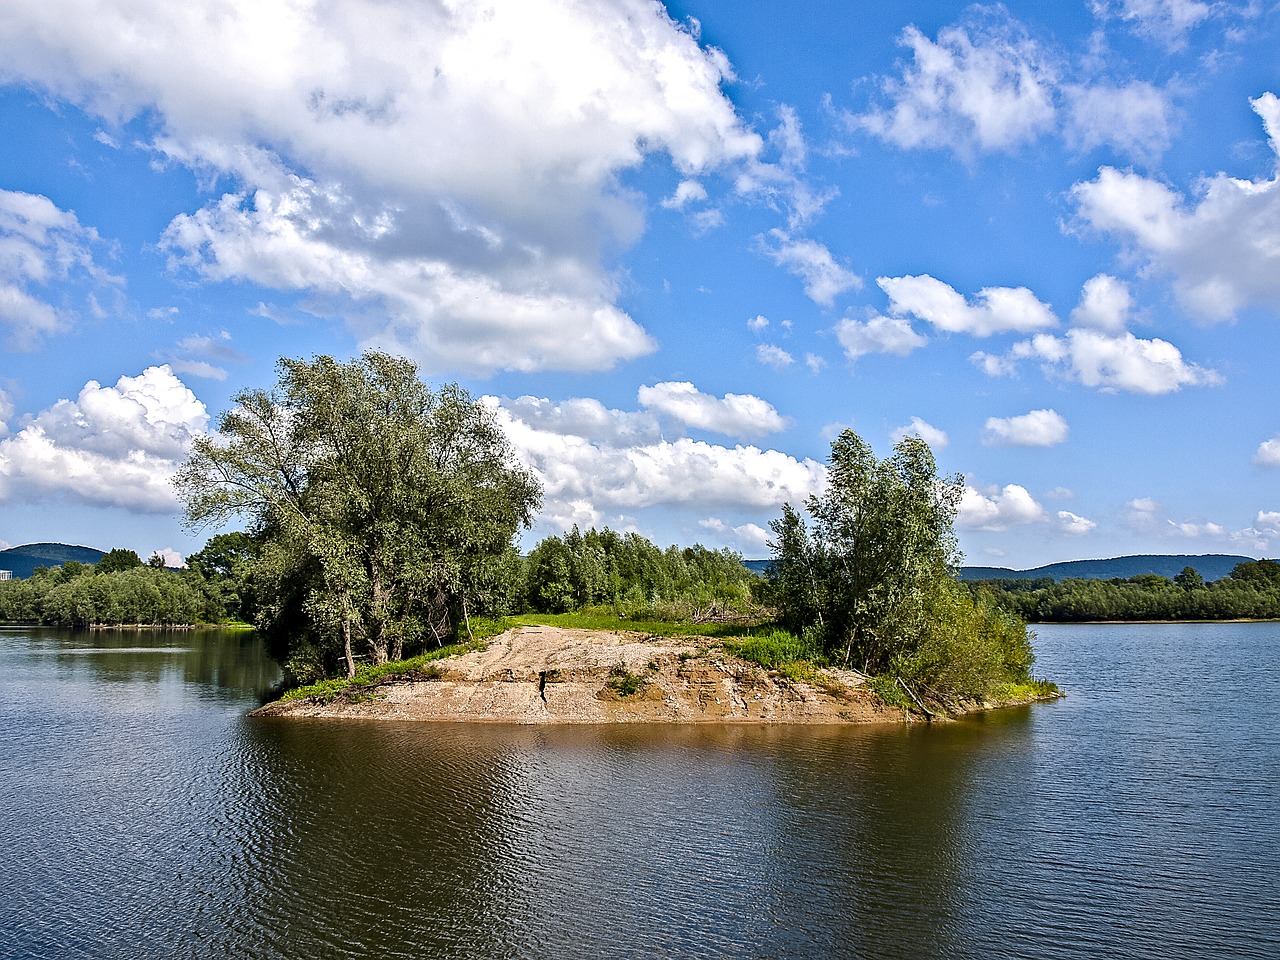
{"points": [[1021, 692], [604, 618], [420, 667]]}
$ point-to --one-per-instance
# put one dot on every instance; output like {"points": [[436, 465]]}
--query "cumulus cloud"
{"points": [[1268, 453], [585, 480], [758, 322], [46, 259], [996, 509], [979, 87], [824, 279], [1039, 428], [772, 355], [1220, 248], [1074, 525], [878, 335], [112, 446], [994, 310], [748, 537], [935, 438], [445, 177], [1105, 304], [1116, 363], [587, 418], [735, 414]]}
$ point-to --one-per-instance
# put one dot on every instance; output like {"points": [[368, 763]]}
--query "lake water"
{"points": [[146, 816]]}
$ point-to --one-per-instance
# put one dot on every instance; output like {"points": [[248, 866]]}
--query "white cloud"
{"points": [[735, 414], [824, 279], [1268, 453], [1039, 428], [6, 411], [814, 362], [935, 438], [1221, 249], [996, 509], [758, 322], [445, 177], [878, 335], [587, 480], [983, 88], [45, 256], [587, 418], [1116, 363], [111, 446], [1168, 21], [749, 538], [774, 356], [686, 192], [1136, 119], [993, 365], [1105, 304], [172, 558], [995, 310], [1194, 530], [1074, 525]]}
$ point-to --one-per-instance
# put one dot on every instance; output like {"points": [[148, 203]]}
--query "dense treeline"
{"points": [[632, 574], [1251, 592], [106, 593]]}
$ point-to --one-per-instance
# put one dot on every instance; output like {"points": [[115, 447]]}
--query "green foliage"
{"points": [[777, 648], [623, 682], [117, 560], [969, 646], [1252, 592], [869, 576], [633, 575], [79, 596], [385, 510], [420, 667]]}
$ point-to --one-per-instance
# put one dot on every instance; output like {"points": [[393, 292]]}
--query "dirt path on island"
{"points": [[558, 675]]}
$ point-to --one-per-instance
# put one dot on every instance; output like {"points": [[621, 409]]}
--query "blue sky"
{"points": [[676, 249]]}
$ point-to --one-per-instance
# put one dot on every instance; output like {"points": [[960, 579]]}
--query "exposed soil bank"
{"points": [[558, 675]]}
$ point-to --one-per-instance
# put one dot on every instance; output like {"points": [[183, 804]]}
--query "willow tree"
{"points": [[861, 575], [383, 505]]}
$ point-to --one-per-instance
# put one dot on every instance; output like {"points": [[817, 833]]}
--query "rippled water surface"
{"points": [[146, 816]]}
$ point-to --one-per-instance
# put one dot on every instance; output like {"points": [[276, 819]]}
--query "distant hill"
{"points": [[1211, 566], [23, 560]]}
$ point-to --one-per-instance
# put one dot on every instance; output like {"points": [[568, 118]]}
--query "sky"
{"points": [[676, 249]]}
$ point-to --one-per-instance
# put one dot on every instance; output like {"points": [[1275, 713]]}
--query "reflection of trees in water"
{"points": [[224, 660], [368, 839]]}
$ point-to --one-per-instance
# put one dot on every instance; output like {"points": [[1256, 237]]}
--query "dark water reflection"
{"points": [[148, 817]]}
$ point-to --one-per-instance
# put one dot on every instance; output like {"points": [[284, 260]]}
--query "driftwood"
{"points": [[918, 702]]}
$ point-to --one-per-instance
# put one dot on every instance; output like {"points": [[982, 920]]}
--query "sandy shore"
{"points": [[557, 675]]}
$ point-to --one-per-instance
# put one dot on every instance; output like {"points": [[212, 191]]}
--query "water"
{"points": [[146, 816]]}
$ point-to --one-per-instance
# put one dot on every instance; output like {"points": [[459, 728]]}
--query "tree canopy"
{"points": [[381, 506], [870, 574]]}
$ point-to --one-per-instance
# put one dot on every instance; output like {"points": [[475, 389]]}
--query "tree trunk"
{"points": [[346, 648]]}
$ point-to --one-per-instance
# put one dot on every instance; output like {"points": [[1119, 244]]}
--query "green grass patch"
{"points": [[1011, 692], [605, 618], [420, 667], [775, 649], [888, 690]]}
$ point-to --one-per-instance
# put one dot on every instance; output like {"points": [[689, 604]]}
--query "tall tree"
{"points": [[383, 505], [880, 541]]}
